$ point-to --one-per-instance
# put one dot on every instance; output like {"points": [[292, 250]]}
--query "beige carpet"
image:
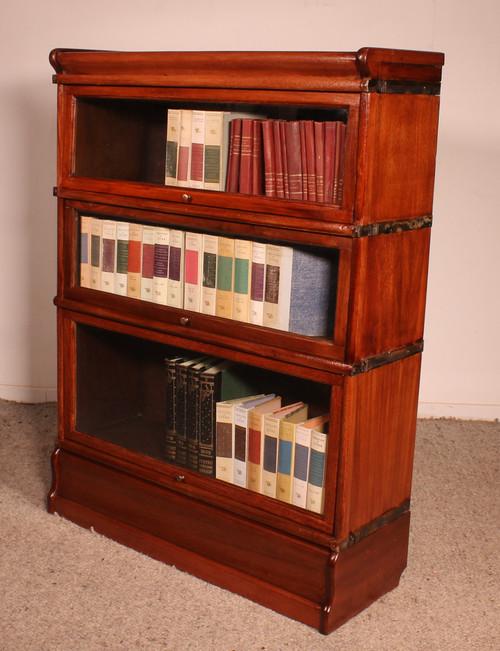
{"points": [[62, 587]]}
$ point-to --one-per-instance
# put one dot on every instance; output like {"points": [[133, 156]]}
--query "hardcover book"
{"points": [[108, 255], [85, 250], [225, 277], [173, 133], [160, 264], [147, 267], [272, 424], [209, 285], [256, 443], [175, 282], [122, 243], [241, 298], [134, 271], [317, 461], [303, 433], [193, 271], [95, 252]]}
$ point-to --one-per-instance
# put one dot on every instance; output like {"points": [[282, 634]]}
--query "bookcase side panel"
{"points": [[396, 157], [377, 446], [388, 289]]}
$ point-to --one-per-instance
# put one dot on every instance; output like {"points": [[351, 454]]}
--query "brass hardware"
{"points": [[185, 320], [180, 478], [187, 198]]}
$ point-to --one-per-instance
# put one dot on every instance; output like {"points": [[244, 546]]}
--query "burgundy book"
{"points": [[319, 145], [246, 167], [233, 168], [269, 158], [257, 161], [339, 163], [311, 160], [294, 159], [330, 151], [284, 159], [303, 159], [278, 160]]}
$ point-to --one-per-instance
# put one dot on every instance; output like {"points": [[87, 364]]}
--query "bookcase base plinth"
{"points": [[304, 581]]}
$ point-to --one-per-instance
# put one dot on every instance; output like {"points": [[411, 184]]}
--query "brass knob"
{"points": [[185, 321], [180, 478], [187, 198]]}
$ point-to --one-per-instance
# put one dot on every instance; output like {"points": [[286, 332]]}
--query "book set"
{"points": [[265, 284], [246, 153], [216, 426]]}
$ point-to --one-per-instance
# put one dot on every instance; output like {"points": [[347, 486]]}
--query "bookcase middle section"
{"points": [[225, 280]]}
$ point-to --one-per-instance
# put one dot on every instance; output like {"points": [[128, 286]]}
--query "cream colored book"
{"points": [[160, 264], [122, 238], [173, 132], [85, 250], [225, 278], [134, 268], [95, 252], [241, 294], [147, 267], [209, 281], [303, 433], [108, 260], [175, 283], [272, 424], [255, 443], [193, 271]]}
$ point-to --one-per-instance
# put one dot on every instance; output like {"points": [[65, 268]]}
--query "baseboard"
{"points": [[459, 411], [28, 394]]}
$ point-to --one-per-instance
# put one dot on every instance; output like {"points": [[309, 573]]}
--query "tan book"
{"points": [[225, 277], [85, 251], [255, 442]]}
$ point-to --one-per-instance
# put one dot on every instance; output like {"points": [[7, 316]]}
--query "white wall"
{"points": [[461, 361]]}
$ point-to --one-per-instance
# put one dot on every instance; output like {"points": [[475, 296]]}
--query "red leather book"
{"points": [[233, 170], [319, 145], [330, 152], [269, 158], [246, 167], [311, 160], [294, 159], [278, 160]]}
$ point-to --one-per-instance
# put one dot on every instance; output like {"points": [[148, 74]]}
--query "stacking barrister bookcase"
{"points": [[350, 345]]}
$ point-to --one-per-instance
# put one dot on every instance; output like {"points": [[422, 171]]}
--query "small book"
{"points": [[215, 154], [182, 408], [122, 243], [272, 424], [256, 443], [257, 283], [147, 265], [173, 132], [316, 478], [160, 264], [85, 251], [175, 282], [279, 261], [225, 278], [193, 271], [303, 433], [184, 155], [95, 252], [196, 171], [134, 271], [286, 455], [330, 151], [245, 185], [108, 255], [241, 295], [171, 406], [192, 409], [241, 412], [269, 158], [209, 283], [294, 159], [319, 149], [310, 160]]}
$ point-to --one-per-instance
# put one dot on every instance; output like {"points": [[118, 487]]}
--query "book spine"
{"points": [[214, 149], [311, 160], [134, 271], [294, 159], [330, 153], [209, 396], [85, 251], [122, 243], [254, 452], [148, 257], [192, 409], [286, 455], [233, 171], [173, 131], [319, 149], [246, 163], [160, 264], [108, 256], [193, 271], [95, 252], [171, 409], [224, 441], [209, 285], [269, 160], [240, 446], [301, 466], [225, 277], [257, 160], [175, 282], [278, 160], [257, 283], [316, 478], [184, 157], [270, 455], [272, 285], [180, 415], [197, 149], [241, 298]]}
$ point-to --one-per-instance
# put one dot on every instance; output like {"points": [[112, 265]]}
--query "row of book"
{"points": [[272, 285], [216, 426], [240, 152]]}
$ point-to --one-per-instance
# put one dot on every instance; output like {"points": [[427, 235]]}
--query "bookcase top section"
{"points": [[367, 70]]}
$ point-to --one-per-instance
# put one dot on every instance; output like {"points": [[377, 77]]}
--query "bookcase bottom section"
{"points": [[304, 581]]}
